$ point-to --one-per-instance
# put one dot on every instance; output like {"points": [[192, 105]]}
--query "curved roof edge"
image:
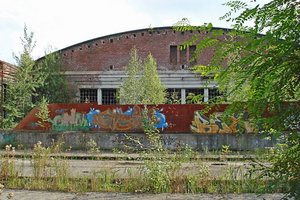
{"points": [[122, 33]]}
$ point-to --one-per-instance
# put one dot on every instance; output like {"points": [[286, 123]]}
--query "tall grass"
{"points": [[162, 171]]}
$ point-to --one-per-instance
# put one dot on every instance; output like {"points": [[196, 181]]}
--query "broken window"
{"points": [[88, 95], [109, 96], [183, 59], [192, 60], [173, 96], [194, 95]]}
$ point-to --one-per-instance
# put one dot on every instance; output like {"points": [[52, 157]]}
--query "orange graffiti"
{"points": [[115, 120], [202, 124]]}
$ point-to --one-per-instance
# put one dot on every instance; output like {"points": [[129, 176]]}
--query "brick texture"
{"points": [[112, 51]]}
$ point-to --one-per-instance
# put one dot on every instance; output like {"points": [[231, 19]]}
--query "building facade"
{"points": [[7, 72], [96, 67]]}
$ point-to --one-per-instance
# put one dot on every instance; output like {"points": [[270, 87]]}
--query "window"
{"points": [[183, 56], [88, 95], [173, 55], [192, 50], [213, 93], [173, 96], [109, 96], [194, 95]]}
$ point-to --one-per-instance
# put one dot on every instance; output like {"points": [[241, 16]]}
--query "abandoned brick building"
{"points": [[96, 67], [7, 71]]}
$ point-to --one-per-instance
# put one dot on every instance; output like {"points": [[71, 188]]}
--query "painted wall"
{"points": [[169, 118]]}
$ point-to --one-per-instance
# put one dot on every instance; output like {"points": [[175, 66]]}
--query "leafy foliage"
{"points": [[130, 92], [43, 114], [262, 70], [152, 89], [55, 87], [32, 81], [27, 79], [143, 85]]}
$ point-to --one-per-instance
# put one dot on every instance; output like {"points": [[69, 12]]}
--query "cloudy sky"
{"points": [[60, 23]]}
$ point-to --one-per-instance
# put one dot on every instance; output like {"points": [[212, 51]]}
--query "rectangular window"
{"points": [[192, 59], [183, 59], [173, 96], [173, 55], [194, 95], [109, 96], [88, 95], [213, 93]]}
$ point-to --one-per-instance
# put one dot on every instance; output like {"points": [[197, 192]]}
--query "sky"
{"points": [[57, 24]]}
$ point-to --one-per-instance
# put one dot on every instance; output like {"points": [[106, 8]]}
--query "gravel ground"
{"points": [[45, 195]]}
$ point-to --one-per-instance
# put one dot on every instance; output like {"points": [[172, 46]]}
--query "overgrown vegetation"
{"points": [[43, 114], [162, 171], [143, 85], [32, 81], [262, 71]]}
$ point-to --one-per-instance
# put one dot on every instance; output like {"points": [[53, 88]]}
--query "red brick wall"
{"points": [[99, 54]]}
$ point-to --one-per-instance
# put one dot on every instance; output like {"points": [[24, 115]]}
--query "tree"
{"points": [[263, 62], [43, 114], [130, 91], [55, 87], [142, 85], [27, 79], [153, 90]]}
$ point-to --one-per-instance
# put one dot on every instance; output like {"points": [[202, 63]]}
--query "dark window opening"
{"points": [[173, 55], [89, 46], [80, 48], [134, 35], [192, 58], [213, 94], [142, 34], [96, 44], [72, 50], [109, 96], [173, 96], [194, 95], [88, 95], [111, 67], [183, 59], [111, 40]]}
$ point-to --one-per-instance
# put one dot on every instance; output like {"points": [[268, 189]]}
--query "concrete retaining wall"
{"points": [[108, 141]]}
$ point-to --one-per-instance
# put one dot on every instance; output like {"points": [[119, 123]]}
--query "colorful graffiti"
{"points": [[110, 119], [69, 122], [213, 125], [216, 124]]}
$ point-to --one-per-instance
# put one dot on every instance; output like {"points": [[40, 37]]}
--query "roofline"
{"points": [[9, 64], [122, 33]]}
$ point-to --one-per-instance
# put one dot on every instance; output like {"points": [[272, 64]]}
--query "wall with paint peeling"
{"points": [[109, 141]]}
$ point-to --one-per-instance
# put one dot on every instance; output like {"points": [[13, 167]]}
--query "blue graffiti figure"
{"points": [[90, 117], [161, 120], [128, 112]]}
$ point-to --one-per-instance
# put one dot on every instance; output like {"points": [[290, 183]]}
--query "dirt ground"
{"points": [[45, 195]]}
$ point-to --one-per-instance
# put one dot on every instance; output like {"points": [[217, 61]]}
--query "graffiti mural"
{"points": [[69, 122], [117, 120], [213, 125], [109, 119]]}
